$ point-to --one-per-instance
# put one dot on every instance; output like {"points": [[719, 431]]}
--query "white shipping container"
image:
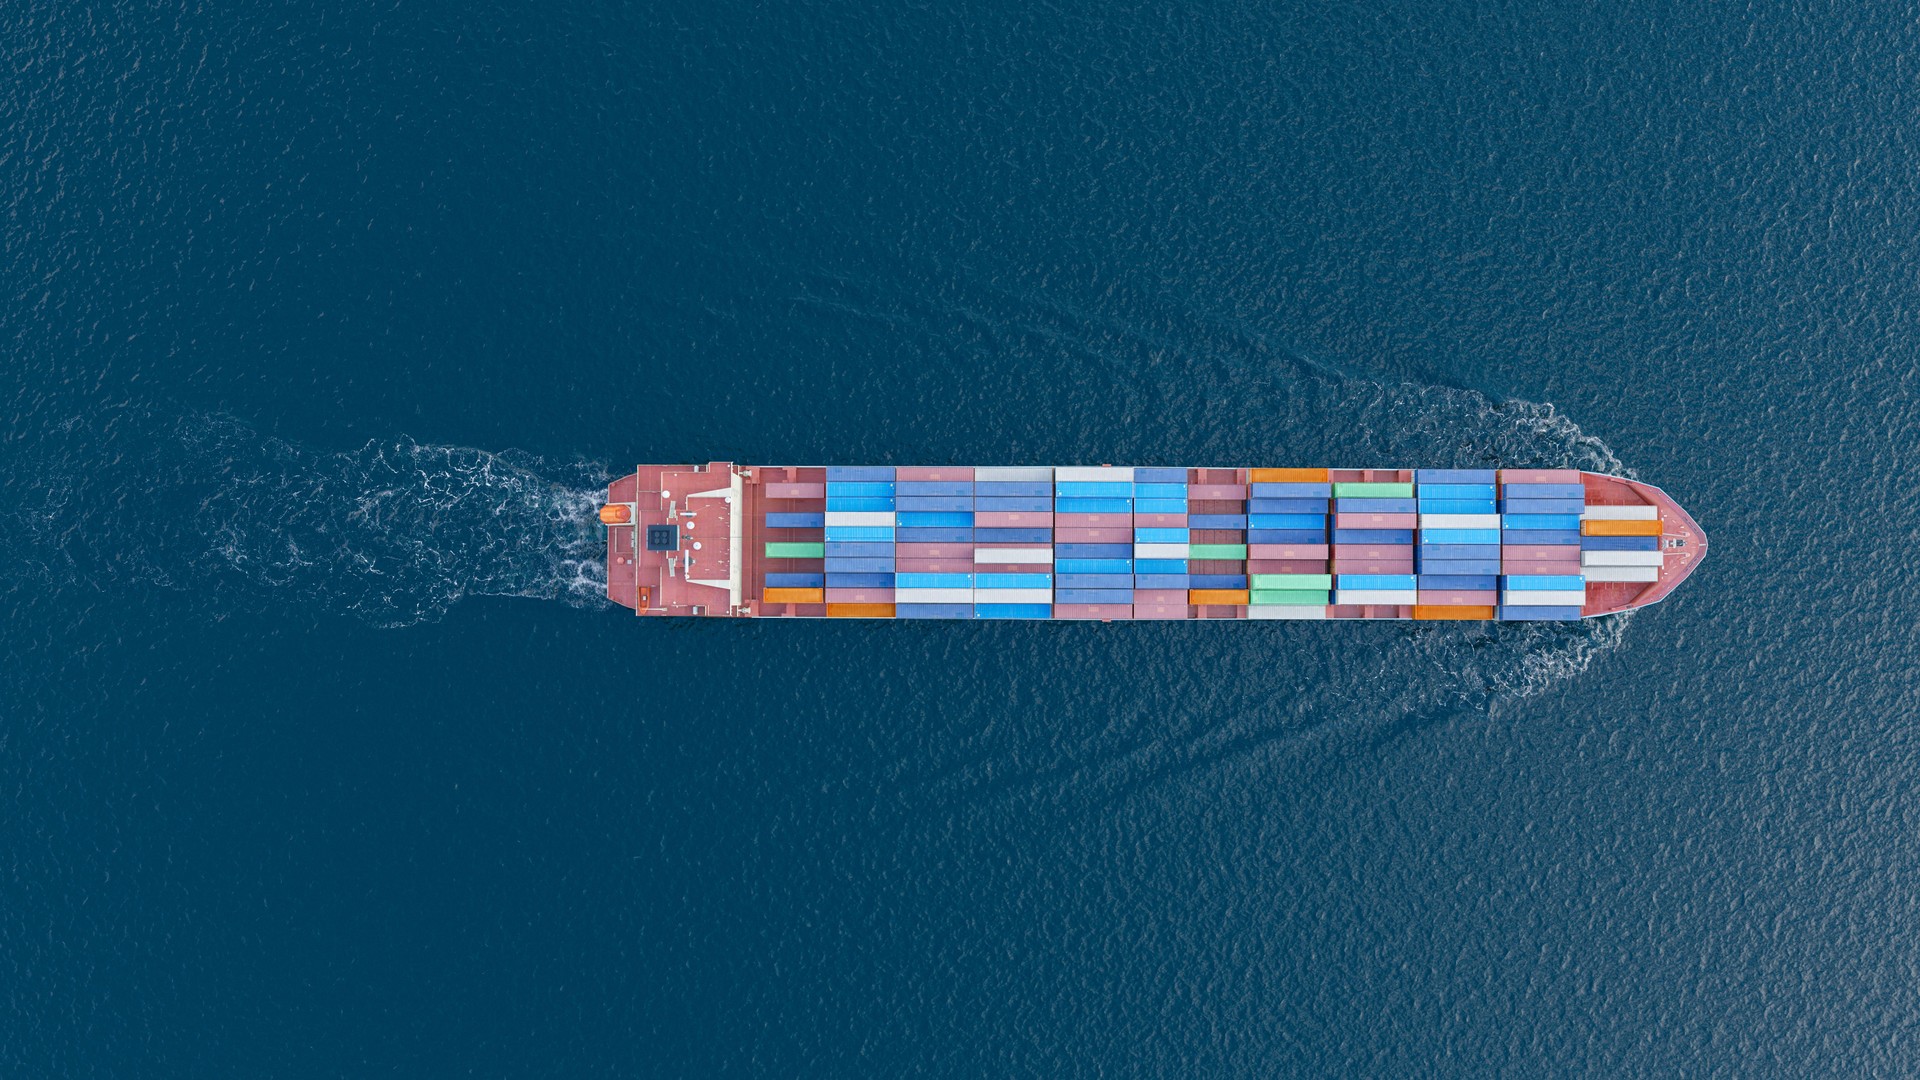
{"points": [[1286, 611], [1006, 596], [859, 517], [1543, 598], [1622, 573], [1620, 513], [1622, 558], [1097, 472], [933, 596], [1159, 551], [1376, 596], [1013, 474], [1459, 521], [1012, 556]]}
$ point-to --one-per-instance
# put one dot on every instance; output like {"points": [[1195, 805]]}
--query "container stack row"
{"points": [[861, 523], [1092, 543], [934, 541], [1621, 543], [795, 540], [1540, 566], [1289, 559], [1374, 525], [1459, 551], [1162, 543], [1218, 585], [1013, 542]]}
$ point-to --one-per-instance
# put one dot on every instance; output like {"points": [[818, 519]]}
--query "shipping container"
{"points": [[949, 488], [859, 473], [903, 609], [1371, 490], [1288, 476], [1063, 580], [1543, 506], [1310, 537], [1216, 492], [1545, 583], [930, 519], [793, 596], [1010, 504], [998, 489], [1620, 543], [1089, 489], [1534, 613], [995, 535], [837, 580], [1488, 598], [859, 566], [1321, 551], [1459, 521], [1374, 597], [809, 580], [1287, 506], [1623, 558], [1278, 611], [932, 596], [1159, 521], [1161, 507], [1435, 614], [1460, 536], [796, 549], [1120, 597], [1092, 612], [1621, 528], [1216, 581], [870, 489], [1225, 597], [1349, 505], [935, 536], [1065, 505], [1541, 522], [1475, 507], [1459, 567], [1077, 473], [1457, 491], [945, 503], [1297, 597], [1542, 491], [1400, 537], [1345, 520], [1091, 566], [1013, 554], [1043, 610], [1511, 597], [1623, 573], [1158, 581], [1467, 582], [1621, 513], [923, 473], [796, 491], [1093, 551], [1319, 582], [1157, 475], [860, 503], [1291, 490], [859, 596], [1424, 477], [1012, 519], [1540, 476], [859, 611], [1161, 491], [1081, 535], [1539, 538], [1013, 596], [859, 532], [1234, 522], [1229, 552], [1373, 582], [809, 520], [1004, 474]]}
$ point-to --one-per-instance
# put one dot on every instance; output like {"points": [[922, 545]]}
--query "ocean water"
{"points": [[320, 326]]}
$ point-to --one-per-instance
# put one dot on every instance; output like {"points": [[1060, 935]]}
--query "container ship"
{"points": [[1107, 543]]}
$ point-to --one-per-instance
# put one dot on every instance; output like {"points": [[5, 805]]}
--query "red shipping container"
{"points": [[1227, 492], [859, 596], [1288, 551], [933, 472], [934, 566], [796, 491], [1458, 598], [1376, 521], [1159, 521], [1540, 476], [1013, 519], [1093, 536], [1093, 611], [935, 551], [1287, 566], [1093, 521]]}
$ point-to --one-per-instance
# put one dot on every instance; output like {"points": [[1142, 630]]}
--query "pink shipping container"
{"points": [[1540, 476], [1013, 519], [1376, 521], [1543, 553], [1093, 611], [796, 491], [933, 551], [997, 545], [1162, 611], [1453, 598], [1547, 569], [1216, 491], [1093, 536], [1288, 551], [1159, 521], [1092, 521], [1373, 551], [959, 565], [859, 596], [1287, 566], [934, 472]]}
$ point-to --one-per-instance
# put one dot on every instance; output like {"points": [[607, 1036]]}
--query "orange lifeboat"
{"points": [[616, 514]]}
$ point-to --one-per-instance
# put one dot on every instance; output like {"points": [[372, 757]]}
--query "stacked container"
{"points": [[1540, 513], [793, 534], [1093, 543], [934, 543], [1374, 522], [1013, 542], [1621, 543], [1457, 557], [859, 529], [1160, 544], [1217, 585], [1288, 558]]}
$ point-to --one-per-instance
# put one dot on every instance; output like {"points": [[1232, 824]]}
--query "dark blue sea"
{"points": [[321, 324]]}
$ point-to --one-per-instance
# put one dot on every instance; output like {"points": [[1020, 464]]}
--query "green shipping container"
{"points": [[1294, 597], [1217, 551], [796, 549], [1353, 489], [1319, 582]]}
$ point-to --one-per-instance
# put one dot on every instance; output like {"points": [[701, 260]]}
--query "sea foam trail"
{"points": [[394, 532]]}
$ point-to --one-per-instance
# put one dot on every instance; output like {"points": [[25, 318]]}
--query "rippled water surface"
{"points": [[321, 756]]}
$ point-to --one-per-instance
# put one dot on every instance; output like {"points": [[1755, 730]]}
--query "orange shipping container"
{"points": [[859, 611], [1229, 597], [1433, 612], [1289, 476], [795, 596], [1621, 528]]}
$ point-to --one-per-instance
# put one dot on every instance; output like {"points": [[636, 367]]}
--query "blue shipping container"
{"points": [[1093, 551], [1093, 489], [1460, 536], [859, 549], [1543, 506], [796, 520], [1543, 583], [1543, 491], [1286, 521], [1025, 489], [933, 611], [796, 581], [1286, 536], [1091, 566], [860, 566], [1159, 581], [1158, 475], [925, 519], [1459, 551], [1460, 582], [1458, 506], [1620, 543], [934, 502], [1093, 596], [859, 472], [1531, 613], [1287, 506], [1216, 521], [1375, 582], [1459, 567], [1092, 581], [1159, 566], [934, 487], [1546, 522], [991, 582], [1013, 611], [1455, 491], [1518, 538], [1031, 504], [877, 489], [1160, 491], [1211, 581], [858, 580], [1160, 536], [1064, 505], [859, 532], [1454, 476], [863, 503]]}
